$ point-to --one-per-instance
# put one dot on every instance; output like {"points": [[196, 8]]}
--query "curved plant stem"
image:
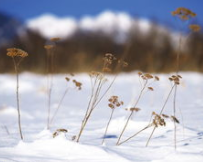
{"points": [[124, 128], [161, 113], [134, 134], [59, 105], [108, 125], [150, 136]]}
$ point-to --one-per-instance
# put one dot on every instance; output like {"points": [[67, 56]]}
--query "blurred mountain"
{"points": [[145, 45], [9, 27]]}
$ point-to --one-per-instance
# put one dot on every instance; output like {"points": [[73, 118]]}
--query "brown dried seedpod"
{"points": [[58, 131], [62, 130], [151, 89], [175, 119], [134, 109], [156, 78], [165, 116], [67, 79]]}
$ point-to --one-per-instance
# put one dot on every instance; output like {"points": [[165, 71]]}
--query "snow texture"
{"points": [[39, 145]]}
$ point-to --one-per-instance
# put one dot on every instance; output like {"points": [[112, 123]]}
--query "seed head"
{"points": [[195, 27], [16, 52]]}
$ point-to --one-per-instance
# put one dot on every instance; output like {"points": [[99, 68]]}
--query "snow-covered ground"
{"points": [[39, 146]]}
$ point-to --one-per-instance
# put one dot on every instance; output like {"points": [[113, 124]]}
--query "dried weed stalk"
{"points": [[184, 15], [175, 79], [145, 81], [17, 56], [78, 86], [50, 48], [98, 80], [113, 103]]}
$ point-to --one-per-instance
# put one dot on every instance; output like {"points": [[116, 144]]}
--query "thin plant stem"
{"points": [[174, 114], [108, 125], [17, 97], [134, 134], [59, 105], [161, 113], [139, 97], [150, 136], [124, 128], [93, 102]]}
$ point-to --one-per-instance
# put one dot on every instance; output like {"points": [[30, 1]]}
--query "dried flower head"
{"points": [[175, 79], [139, 73], [114, 102], [195, 27], [183, 13], [108, 60], [67, 79], [16, 52], [55, 39], [77, 84], [158, 120], [59, 131], [134, 109], [49, 46]]}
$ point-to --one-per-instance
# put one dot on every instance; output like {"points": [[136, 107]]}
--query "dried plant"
{"points": [[175, 79], [78, 86], [17, 56], [113, 103], [59, 131], [158, 120], [183, 14], [98, 80], [145, 81], [50, 48]]}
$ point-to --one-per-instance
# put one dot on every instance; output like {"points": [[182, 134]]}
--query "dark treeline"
{"points": [[151, 52]]}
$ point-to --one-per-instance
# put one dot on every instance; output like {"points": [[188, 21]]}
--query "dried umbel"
{"points": [[16, 52], [194, 27], [17, 56], [175, 79], [108, 61], [158, 120], [147, 76], [114, 102], [183, 13]]}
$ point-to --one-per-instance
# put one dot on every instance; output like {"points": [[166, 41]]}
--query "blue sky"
{"points": [[157, 9]]}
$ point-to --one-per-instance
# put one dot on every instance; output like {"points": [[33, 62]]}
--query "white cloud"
{"points": [[108, 22], [52, 26]]}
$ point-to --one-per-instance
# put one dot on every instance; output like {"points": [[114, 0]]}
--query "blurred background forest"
{"points": [[153, 49]]}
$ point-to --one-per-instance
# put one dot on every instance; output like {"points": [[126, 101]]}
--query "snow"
{"points": [[39, 145]]}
